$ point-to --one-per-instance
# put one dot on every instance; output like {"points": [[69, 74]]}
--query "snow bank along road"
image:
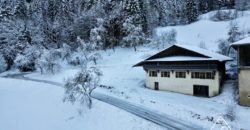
{"points": [[160, 119]]}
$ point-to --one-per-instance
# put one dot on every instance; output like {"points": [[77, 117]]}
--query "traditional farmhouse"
{"points": [[243, 49], [185, 69]]}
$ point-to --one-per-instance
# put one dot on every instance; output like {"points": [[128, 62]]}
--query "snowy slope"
{"points": [[35, 106], [206, 31]]}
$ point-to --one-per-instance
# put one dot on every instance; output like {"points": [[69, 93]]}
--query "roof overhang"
{"points": [[235, 46], [243, 42]]}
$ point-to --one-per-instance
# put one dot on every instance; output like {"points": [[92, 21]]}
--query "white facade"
{"points": [[188, 70], [243, 48], [183, 85], [244, 86]]}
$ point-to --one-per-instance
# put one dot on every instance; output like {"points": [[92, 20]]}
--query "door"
{"points": [[201, 90], [156, 86]]}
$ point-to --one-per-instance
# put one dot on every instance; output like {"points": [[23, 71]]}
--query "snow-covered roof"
{"points": [[205, 52], [244, 41], [181, 58], [197, 54]]}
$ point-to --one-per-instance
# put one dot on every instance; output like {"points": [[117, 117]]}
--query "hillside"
{"points": [[207, 31]]}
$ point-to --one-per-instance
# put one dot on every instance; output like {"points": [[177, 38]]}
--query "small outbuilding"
{"points": [[243, 58], [185, 69]]}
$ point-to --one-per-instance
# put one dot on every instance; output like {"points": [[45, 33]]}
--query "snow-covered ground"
{"points": [[207, 31], [28, 105], [128, 84]]}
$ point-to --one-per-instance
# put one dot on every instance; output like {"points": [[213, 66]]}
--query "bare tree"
{"points": [[234, 33], [166, 38], [80, 88], [223, 46], [49, 61]]}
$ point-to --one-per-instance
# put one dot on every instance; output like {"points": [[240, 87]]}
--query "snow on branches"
{"points": [[80, 87]]}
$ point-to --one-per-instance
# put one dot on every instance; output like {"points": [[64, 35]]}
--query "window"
{"points": [[195, 74], [180, 74], [165, 74], [202, 75], [152, 73], [210, 75]]}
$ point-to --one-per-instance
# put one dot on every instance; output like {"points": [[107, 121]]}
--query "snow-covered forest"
{"points": [[39, 35]]}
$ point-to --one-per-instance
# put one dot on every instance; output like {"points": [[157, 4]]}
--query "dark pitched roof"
{"points": [[180, 52]]}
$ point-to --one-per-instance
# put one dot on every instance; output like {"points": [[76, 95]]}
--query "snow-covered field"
{"points": [[207, 31], [26, 105], [41, 104], [128, 84]]}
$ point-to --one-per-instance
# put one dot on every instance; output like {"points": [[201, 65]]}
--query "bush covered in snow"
{"points": [[80, 87], [77, 59], [26, 61], [49, 61], [24, 64]]}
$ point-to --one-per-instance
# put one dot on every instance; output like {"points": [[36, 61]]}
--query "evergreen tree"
{"points": [[5, 10], [21, 10], [53, 9], [135, 35], [242, 4], [191, 11], [3, 64], [203, 6]]}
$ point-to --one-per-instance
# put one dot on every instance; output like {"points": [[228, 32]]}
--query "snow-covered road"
{"points": [[22, 76], [161, 119], [145, 113]]}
